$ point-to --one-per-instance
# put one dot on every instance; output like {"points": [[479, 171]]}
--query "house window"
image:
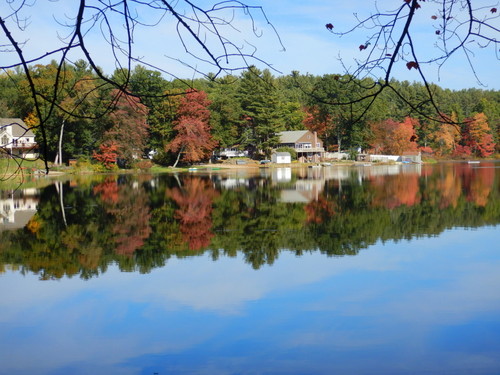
{"points": [[5, 140]]}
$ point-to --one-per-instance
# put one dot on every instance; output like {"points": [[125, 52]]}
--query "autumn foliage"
{"points": [[477, 136], [193, 139], [392, 137], [107, 154]]}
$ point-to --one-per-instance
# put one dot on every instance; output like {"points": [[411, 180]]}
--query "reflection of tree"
{"points": [[107, 190], [450, 188], [394, 191], [256, 224], [319, 210], [116, 218], [478, 183], [129, 214], [195, 200]]}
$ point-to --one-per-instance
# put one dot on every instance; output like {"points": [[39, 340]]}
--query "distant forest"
{"points": [[245, 111]]}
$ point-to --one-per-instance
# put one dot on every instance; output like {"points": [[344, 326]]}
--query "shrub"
{"points": [[461, 152], [107, 154], [143, 164]]}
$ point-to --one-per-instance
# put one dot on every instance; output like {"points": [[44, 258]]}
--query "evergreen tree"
{"points": [[261, 109]]}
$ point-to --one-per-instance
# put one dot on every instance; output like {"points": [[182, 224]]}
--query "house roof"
{"points": [[282, 154], [19, 128], [292, 136]]}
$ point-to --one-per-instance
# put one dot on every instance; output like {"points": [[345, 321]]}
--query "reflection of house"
{"points": [[17, 139], [306, 144], [282, 174], [304, 191], [16, 209], [407, 157], [232, 183]]}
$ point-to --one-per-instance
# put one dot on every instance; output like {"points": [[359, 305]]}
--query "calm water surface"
{"points": [[336, 270]]}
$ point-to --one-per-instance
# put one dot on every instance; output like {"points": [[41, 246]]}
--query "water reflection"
{"points": [[140, 222], [17, 208]]}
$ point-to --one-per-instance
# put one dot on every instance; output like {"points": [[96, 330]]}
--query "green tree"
{"points": [[261, 108], [226, 114]]}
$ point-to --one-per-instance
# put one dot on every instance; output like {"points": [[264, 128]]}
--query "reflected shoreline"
{"points": [[82, 225]]}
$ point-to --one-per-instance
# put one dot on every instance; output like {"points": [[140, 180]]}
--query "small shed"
{"points": [[281, 158]]}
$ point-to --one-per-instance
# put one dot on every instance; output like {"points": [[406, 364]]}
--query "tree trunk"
{"points": [[59, 153], [178, 157]]}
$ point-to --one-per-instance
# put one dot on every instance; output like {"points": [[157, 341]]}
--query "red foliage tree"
{"points": [[193, 140], [461, 152], [107, 154], [316, 122]]}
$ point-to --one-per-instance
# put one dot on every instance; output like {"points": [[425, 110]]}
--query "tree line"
{"points": [[155, 116]]}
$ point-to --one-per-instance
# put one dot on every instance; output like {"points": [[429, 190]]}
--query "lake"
{"points": [[388, 269]]}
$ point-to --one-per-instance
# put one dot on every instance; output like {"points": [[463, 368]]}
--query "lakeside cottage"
{"points": [[307, 145], [17, 139]]}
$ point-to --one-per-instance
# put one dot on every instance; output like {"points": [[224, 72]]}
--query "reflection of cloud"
{"points": [[392, 298]]}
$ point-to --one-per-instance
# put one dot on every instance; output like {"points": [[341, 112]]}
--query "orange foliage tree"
{"points": [[446, 136], [477, 135], [392, 137], [316, 121]]}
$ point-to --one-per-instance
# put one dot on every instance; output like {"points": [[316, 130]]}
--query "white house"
{"points": [[281, 158], [17, 139]]}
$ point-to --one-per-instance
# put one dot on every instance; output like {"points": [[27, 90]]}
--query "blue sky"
{"points": [[309, 47]]}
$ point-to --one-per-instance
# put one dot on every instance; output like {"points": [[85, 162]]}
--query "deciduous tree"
{"points": [[193, 139], [477, 135], [392, 137], [129, 128]]}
